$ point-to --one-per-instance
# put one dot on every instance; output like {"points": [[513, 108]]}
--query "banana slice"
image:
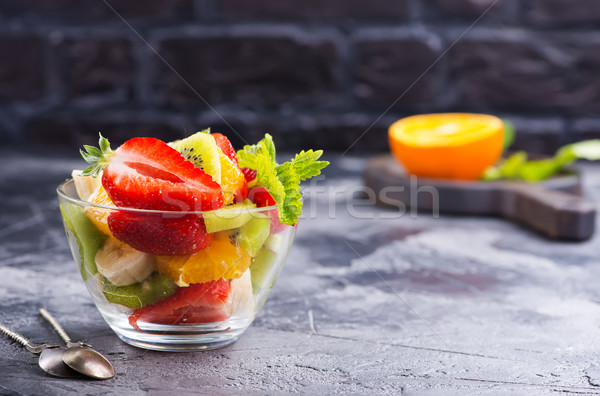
{"points": [[123, 265], [242, 296], [85, 185]]}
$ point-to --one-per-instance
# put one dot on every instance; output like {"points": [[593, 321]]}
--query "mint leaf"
{"points": [[266, 175], [507, 168], [292, 204], [516, 167], [492, 173], [534, 171], [268, 146], [265, 147], [510, 167], [306, 165], [588, 150], [281, 181]]}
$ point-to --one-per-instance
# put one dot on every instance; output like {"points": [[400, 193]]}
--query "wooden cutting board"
{"points": [[554, 208]]}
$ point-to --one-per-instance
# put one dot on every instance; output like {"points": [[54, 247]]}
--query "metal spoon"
{"points": [[80, 356], [50, 355]]}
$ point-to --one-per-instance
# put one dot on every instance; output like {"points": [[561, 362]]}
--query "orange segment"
{"points": [[447, 146], [222, 259], [232, 178], [99, 216]]}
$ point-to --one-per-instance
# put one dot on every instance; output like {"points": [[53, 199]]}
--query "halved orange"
{"points": [[447, 146]]}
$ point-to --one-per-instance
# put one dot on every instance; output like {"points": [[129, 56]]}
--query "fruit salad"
{"points": [[188, 233]]}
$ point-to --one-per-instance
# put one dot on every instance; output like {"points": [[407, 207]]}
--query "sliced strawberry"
{"points": [[261, 197], [249, 174], [225, 146], [160, 235], [145, 173], [199, 303]]}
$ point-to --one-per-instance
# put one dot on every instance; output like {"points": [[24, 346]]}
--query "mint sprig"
{"points": [[517, 167], [282, 181], [291, 209]]}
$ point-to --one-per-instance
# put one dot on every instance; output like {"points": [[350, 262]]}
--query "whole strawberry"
{"points": [[146, 173]]}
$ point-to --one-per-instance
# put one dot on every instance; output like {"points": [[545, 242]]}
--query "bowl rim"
{"points": [[62, 194]]}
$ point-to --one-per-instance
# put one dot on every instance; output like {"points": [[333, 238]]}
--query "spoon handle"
{"points": [[55, 325], [31, 347], [14, 335]]}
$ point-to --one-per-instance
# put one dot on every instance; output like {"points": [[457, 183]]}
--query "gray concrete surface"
{"points": [[368, 303]]}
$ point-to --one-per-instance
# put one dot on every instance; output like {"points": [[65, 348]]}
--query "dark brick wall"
{"points": [[312, 73]]}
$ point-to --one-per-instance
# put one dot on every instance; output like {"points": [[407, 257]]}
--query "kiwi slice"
{"points": [[201, 149], [261, 270], [152, 289], [254, 233], [88, 237], [229, 217]]}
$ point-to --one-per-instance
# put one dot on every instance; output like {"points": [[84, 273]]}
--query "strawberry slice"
{"points": [[249, 174], [261, 197], [158, 234], [225, 146], [145, 173], [199, 303]]}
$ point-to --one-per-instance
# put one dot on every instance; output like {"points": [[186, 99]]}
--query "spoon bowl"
{"points": [[80, 356], [50, 355], [51, 361], [88, 361]]}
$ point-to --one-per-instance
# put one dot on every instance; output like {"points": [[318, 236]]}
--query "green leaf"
{"points": [[268, 146], [93, 151], [507, 168], [292, 205], [98, 157], [534, 171], [492, 173], [89, 171], [516, 167], [510, 167], [103, 143], [281, 181], [87, 157], [588, 150], [265, 147], [509, 134], [306, 165], [266, 175]]}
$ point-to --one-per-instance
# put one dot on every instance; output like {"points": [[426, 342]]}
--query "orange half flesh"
{"points": [[447, 146]]}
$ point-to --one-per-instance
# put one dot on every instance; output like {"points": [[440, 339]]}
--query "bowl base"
{"points": [[160, 344], [179, 338]]}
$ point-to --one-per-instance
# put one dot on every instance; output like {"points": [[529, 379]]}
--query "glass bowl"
{"points": [[175, 281]]}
